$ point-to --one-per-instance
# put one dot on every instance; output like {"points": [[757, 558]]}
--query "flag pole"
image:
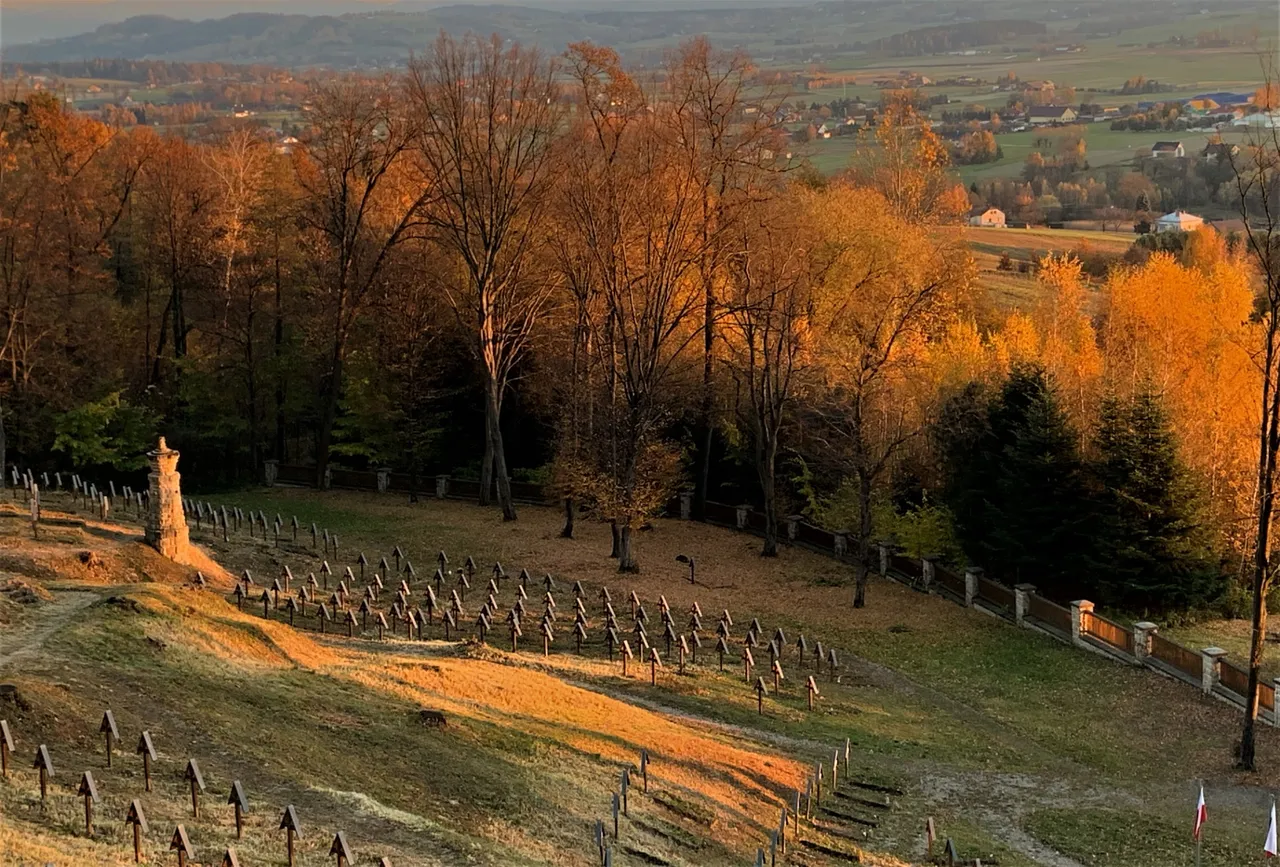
{"points": [[1200, 829]]}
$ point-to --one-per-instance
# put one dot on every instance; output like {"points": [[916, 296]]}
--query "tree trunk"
{"points": [[500, 454], [626, 559], [3, 446], [325, 436], [279, 449], [486, 463], [863, 568], [617, 540], [769, 488], [567, 532]]}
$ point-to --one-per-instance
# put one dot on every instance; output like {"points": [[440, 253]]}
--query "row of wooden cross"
{"points": [[340, 605], [135, 816]]}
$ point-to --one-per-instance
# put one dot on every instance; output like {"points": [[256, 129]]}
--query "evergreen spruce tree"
{"points": [[1041, 518], [1016, 484], [1153, 553]]}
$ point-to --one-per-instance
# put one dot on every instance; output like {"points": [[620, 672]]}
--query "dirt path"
{"points": [[28, 637]]}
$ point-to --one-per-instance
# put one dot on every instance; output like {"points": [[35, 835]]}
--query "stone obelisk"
{"points": [[166, 523]]}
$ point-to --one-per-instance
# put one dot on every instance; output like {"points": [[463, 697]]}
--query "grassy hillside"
{"points": [[1023, 750]]}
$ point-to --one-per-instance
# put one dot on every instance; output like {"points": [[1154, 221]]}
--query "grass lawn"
{"points": [[985, 727]]}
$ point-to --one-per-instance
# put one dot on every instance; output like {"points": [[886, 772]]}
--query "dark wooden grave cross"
{"points": [[289, 824], [182, 845], [148, 753], [240, 804], [341, 850], [138, 820], [44, 765], [626, 655], [760, 691], [89, 791], [6, 746], [722, 647], [193, 776], [644, 769], [655, 663], [109, 730]]}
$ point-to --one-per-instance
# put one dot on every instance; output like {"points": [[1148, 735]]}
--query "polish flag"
{"points": [[1202, 816], [1269, 848]]}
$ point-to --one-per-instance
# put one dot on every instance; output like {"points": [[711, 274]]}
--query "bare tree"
{"points": [[488, 117], [770, 308], [1256, 173], [724, 123], [357, 210], [633, 203]]}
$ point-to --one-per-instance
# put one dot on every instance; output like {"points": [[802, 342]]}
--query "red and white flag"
{"points": [[1269, 848], [1202, 816]]}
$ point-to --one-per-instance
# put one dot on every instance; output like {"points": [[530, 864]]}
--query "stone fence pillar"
{"points": [[1211, 668], [166, 529], [686, 505], [1142, 632], [886, 552], [971, 576], [1275, 711], [270, 472], [740, 516], [1022, 601], [1079, 609], [927, 572], [840, 543], [793, 526], [327, 482], [442, 487], [384, 479]]}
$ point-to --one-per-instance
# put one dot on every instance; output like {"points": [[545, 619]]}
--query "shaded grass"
{"points": [[1113, 838]]}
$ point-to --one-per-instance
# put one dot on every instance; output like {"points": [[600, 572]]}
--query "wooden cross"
{"points": [[289, 824], [148, 753], [654, 664], [626, 655], [182, 845], [760, 691], [813, 691], [240, 804], [138, 820], [747, 662], [193, 775], [341, 850], [777, 675], [6, 746], [89, 791], [44, 764]]}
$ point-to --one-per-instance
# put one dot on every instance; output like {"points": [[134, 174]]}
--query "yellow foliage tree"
{"points": [[1187, 332]]}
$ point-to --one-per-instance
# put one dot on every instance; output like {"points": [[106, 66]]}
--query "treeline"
{"points": [[956, 37], [504, 265], [160, 73]]}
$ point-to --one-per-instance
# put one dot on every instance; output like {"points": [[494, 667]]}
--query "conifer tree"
{"points": [[1151, 545]]}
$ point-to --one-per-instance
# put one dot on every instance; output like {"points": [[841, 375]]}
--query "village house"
{"points": [[1178, 221], [1044, 115], [987, 217], [1168, 150]]}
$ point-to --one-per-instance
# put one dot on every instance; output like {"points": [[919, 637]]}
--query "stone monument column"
{"points": [[166, 523]]}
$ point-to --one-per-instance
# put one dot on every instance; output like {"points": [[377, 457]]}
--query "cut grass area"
{"points": [[1114, 838], [982, 725]]}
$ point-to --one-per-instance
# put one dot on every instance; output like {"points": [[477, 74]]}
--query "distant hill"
{"points": [[788, 31], [360, 39]]}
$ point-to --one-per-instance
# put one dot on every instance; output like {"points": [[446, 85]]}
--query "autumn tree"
{"points": [[890, 288], [769, 304], [487, 118], [358, 206], [1256, 182], [634, 203], [907, 163]]}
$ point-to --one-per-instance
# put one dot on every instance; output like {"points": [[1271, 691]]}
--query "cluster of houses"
{"points": [[988, 217]]}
